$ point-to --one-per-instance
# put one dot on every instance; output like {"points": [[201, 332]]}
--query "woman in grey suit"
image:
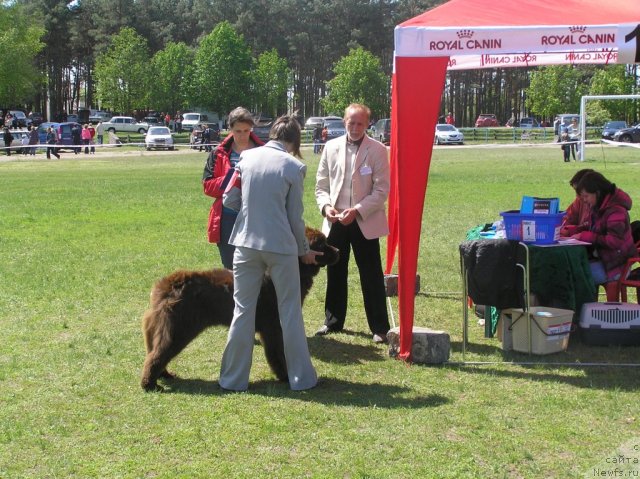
{"points": [[269, 235]]}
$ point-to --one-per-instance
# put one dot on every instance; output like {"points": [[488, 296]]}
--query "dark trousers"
{"points": [[367, 255], [52, 150]]}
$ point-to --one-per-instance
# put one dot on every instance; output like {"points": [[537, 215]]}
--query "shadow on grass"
{"points": [[331, 350], [330, 391], [622, 371], [624, 379]]}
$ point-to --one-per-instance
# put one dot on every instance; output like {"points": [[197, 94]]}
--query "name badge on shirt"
{"points": [[365, 170]]}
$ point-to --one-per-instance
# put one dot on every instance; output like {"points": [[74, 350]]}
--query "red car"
{"points": [[485, 120]]}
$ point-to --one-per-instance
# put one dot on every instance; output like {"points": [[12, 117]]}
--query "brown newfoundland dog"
{"points": [[185, 303]]}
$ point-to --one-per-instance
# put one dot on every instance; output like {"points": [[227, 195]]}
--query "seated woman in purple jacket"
{"points": [[609, 231]]}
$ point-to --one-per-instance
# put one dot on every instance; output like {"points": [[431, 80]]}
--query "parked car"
{"points": [[529, 122], [486, 120], [42, 130], [563, 121], [159, 138], [195, 139], [190, 120], [21, 117], [381, 130], [448, 134], [73, 118], [36, 118], [153, 121], [98, 116], [261, 130], [611, 127], [64, 133], [313, 122], [18, 135], [628, 135], [335, 127], [126, 124]]}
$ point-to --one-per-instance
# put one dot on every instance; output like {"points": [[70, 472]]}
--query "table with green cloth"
{"points": [[559, 277]]}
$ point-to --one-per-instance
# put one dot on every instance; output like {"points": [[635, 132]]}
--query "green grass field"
{"points": [[82, 240]]}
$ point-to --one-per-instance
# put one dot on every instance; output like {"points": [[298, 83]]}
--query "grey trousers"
{"points": [[249, 266]]}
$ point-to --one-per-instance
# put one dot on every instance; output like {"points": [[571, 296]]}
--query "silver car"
{"points": [[125, 124], [335, 128], [448, 134], [158, 137]]}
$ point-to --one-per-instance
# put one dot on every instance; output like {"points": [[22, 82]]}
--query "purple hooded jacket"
{"points": [[610, 232]]}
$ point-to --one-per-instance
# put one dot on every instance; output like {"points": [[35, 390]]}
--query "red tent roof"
{"points": [[474, 13], [427, 44]]}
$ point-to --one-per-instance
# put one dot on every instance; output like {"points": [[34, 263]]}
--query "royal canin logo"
{"points": [[578, 36], [465, 41]]}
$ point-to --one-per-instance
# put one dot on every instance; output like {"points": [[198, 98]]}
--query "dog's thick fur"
{"points": [[185, 303]]}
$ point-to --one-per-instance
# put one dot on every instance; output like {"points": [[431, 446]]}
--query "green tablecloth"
{"points": [[559, 276]]}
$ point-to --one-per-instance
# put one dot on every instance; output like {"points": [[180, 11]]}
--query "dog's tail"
{"points": [[156, 322]]}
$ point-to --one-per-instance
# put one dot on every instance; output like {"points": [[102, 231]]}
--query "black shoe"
{"points": [[323, 331]]}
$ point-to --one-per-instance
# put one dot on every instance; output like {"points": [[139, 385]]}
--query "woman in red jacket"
{"points": [[578, 214], [219, 162], [609, 230]]}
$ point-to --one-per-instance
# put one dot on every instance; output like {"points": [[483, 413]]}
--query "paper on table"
{"points": [[566, 242]]}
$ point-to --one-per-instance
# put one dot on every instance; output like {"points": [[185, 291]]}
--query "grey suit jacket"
{"points": [[271, 207], [369, 180]]}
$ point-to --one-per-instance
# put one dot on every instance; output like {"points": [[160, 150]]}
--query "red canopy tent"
{"points": [[478, 34]]}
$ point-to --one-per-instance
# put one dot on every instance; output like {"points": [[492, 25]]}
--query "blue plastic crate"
{"points": [[534, 229]]}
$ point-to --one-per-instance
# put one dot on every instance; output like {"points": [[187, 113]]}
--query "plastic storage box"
{"points": [[533, 205], [550, 328], [532, 228], [602, 324]]}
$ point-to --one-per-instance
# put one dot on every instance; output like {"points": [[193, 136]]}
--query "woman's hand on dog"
{"points": [[310, 257]]}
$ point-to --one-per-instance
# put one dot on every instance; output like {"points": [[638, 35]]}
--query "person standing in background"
{"points": [[52, 139], [8, 138], [219, 163], [33, 139], [450, 119], [86, 138], [92, 142], [76, 138], [100, 132]]}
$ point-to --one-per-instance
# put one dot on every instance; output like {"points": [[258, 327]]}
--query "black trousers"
{"points": [[367, 255]]}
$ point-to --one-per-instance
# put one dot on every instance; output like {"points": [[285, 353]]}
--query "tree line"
{"points": [[270, 55]]}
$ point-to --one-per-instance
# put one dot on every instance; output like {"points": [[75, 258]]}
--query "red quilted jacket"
{"points": [[216, 168]]}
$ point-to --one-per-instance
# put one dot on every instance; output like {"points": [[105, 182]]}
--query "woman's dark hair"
{"points": [[595, 183], [573, 182], [240, 115], [287, 129]]}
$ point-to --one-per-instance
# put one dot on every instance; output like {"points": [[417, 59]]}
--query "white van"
{"points": [[190, 120]]}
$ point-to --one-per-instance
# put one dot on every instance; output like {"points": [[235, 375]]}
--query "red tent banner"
{"points": [[463, 34]]}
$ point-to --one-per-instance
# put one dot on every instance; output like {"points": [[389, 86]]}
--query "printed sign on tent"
{"points": [[629, 44]]}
